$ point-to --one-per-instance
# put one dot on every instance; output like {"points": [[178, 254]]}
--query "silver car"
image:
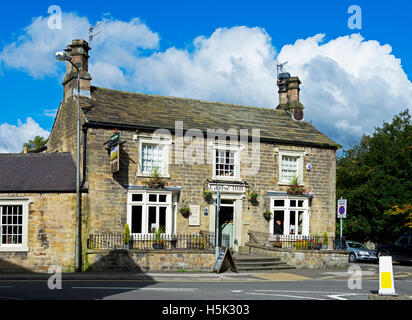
{"points": [[359, 252]]}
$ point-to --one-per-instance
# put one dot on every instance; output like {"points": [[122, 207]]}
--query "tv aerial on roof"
{"points": [[281, 72], [91, 30]]}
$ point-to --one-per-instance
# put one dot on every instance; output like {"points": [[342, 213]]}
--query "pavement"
{"points": [[368, 273]]}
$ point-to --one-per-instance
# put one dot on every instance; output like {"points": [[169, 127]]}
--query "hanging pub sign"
{"points": [[114, 159], [113, 148]]}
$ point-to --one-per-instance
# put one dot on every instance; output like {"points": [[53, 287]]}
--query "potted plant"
{"points": [[317, 242], [295, 188], [185, 210], [156, 181], [253, 196], [126, 237], [267, 214], [208, 195], [325, 242], [158, 243]]}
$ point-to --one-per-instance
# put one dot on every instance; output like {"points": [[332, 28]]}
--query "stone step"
{"points": [[256, 259], [263, 268], [258, 263]]}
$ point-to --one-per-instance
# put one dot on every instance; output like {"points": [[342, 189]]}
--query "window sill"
{"points": [[14, 249], [148, 175], [226, 179], [284, 183]]}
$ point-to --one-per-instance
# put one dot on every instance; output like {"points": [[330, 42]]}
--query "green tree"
{"points": [[37, 143], [374, 176]]}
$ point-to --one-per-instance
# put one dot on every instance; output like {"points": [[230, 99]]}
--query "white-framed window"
{"points": [[292, 212], [13, 224], [226, 163], [147, 211], [154, 153], [290, 165]]}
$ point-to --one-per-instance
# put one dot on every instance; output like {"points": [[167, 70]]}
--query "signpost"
{"points": [[342, 204]]}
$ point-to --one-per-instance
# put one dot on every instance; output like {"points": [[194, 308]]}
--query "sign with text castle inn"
{"points": [[114, 159]]}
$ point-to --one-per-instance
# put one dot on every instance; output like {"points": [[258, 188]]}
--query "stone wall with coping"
{"points": [[151, 260], [305, 259]]}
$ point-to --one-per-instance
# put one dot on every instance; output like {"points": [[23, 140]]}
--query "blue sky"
{"points": [[349, 84]]}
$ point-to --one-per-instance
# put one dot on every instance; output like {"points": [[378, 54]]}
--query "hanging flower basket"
{"points": [[267, 214], [253, 196], [208, 196], [185, 211]]}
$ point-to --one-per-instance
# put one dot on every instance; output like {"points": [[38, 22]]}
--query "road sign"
{"points": [[342, 208]]}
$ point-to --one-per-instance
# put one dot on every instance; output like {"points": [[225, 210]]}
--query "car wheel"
{"points": [[352, 257]]}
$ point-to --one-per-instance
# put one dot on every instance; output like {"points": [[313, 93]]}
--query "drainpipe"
{"points": [[217, 223]]}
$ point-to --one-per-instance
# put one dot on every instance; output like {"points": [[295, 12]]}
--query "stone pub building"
{"points": [[196, 146]]}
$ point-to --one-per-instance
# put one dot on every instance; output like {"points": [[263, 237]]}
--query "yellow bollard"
{"points": [[386, 283]]}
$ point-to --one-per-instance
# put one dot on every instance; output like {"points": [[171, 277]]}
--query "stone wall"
{"points": [[305, 259], [51, 234], [151, 261]]}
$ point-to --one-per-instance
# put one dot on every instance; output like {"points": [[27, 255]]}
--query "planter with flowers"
{"points": [[295, 188], [156, 181], [158, 243]]}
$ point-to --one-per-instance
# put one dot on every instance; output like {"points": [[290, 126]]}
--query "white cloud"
{"points": [[349, 84], [12, 137], [33, 51]]}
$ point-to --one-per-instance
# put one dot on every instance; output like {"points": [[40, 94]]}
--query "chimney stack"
{"points": [[78, 51], [289, 95]]}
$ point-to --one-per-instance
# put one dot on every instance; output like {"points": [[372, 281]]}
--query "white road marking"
{"points": [[331, 295], [138, 289], [301, 291], [237, 291], [339, 296], [283, 295]]}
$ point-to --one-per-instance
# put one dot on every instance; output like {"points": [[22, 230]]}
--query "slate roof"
{"points": [[40, 172], [119, 108]]}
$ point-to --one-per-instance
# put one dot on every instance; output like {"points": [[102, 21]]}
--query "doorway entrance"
{"points": [[226, 223]]}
